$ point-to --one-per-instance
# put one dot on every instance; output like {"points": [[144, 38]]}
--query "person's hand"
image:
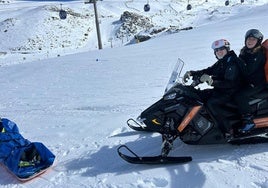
{"points": [[206, 78], [186, 76]]}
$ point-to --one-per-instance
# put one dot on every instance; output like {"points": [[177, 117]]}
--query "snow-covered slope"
{"points": [[33, 30], [77, 105]]}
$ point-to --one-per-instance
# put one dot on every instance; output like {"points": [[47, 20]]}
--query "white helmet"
{"points": [[220, 43]]}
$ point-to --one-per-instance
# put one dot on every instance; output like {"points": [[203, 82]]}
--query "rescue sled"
{"points": [[22, 158]]}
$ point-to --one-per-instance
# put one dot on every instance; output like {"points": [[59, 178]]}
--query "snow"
{"points": [[76, 99]]}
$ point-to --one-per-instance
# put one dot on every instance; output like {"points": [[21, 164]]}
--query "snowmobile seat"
{"points": [[261, 95], [253, 100]]}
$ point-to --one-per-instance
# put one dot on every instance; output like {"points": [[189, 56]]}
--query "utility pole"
{"points": [[96, 21]]}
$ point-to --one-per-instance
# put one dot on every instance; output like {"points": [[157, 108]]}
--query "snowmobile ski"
{"points": [[137, 126], [152, 159]]}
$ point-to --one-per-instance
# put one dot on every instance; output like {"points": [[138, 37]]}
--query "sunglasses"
{"points": [[220, 49]]}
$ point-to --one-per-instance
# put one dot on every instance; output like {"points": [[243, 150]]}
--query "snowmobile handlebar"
{"points": [[195, 83]]}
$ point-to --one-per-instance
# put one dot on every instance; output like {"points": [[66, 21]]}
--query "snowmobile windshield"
{"points": [[175, 75]]}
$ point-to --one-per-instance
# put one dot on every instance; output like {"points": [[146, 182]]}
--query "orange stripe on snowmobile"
{"points": [[261, 122], [188, 118], [265, 45]]}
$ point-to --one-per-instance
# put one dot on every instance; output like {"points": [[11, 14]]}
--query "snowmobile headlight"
{"points": [[170, 96]]}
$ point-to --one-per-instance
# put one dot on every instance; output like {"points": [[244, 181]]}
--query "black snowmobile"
{"points": [[180, 113]]}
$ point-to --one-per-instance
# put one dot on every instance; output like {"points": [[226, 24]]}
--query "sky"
{"points": [[76, 100]]}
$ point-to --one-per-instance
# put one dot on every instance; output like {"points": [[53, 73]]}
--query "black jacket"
{"points": [[252, 66], [225, 73]]}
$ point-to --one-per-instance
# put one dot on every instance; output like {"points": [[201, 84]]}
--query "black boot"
{"points": [[248, 124]]}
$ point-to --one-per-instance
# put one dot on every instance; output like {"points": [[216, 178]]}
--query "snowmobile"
{"points": [[182, 114]]}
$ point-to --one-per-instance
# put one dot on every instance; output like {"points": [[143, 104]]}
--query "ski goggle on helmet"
{"points": [[254, 33], [220, 45]]}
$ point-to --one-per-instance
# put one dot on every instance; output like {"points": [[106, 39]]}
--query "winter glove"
{"points": [[186, 76], [206, 78]]}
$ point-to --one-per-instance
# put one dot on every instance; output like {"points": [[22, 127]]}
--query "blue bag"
{"points": [[23, 158]]}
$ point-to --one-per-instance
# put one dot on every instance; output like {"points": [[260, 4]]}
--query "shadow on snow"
{"points": [[106, 159]]}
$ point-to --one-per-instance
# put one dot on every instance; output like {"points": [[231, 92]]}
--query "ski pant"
{"points": [[242, 98], [216, 104], [204, 94]]}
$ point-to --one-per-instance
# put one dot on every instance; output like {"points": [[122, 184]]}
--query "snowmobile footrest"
{"points": [[152, 159], [250, 139]]}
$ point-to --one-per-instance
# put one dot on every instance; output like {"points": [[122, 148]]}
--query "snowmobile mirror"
{"points": [[242, 1], [227, 3], [146, 7]]}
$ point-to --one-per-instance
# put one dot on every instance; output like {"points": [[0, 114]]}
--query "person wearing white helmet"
{"points": [[224, 76], [254, 81]]}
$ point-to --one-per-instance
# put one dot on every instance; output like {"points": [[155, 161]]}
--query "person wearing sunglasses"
{"points": [[224, 76], [254, 81]]}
